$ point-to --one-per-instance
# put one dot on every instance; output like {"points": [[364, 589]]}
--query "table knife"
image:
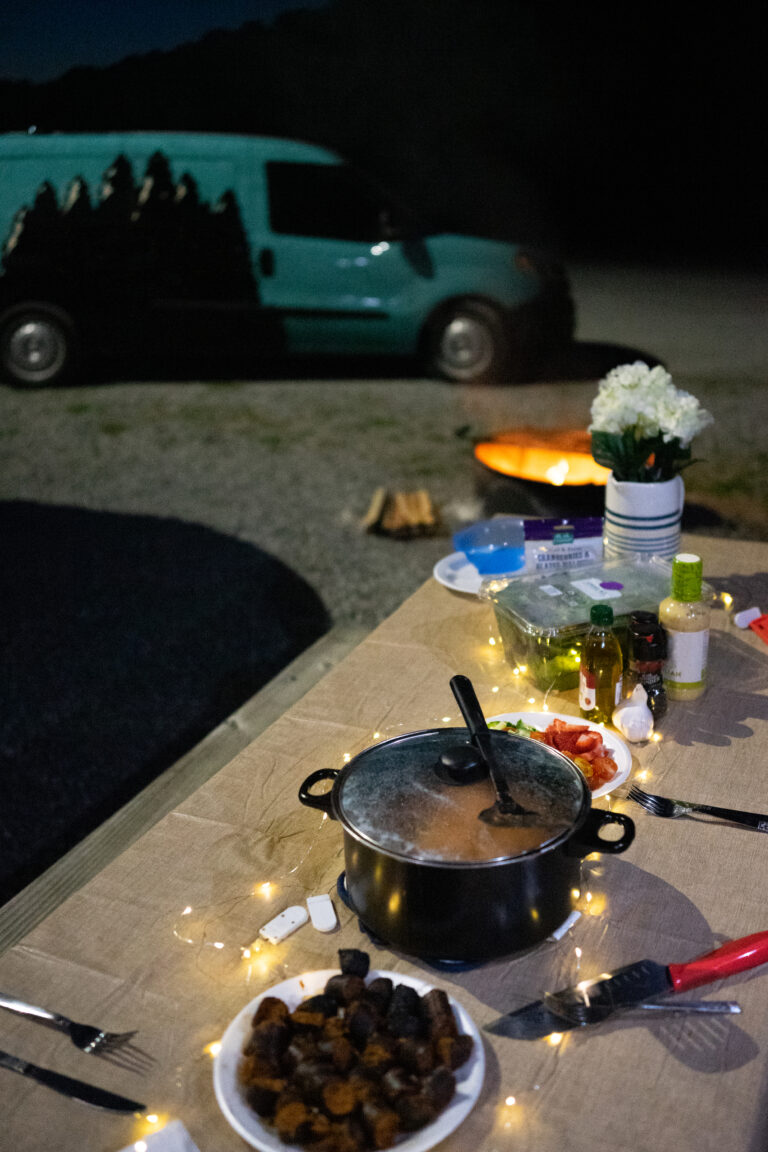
{"points": [[592, 1001], [68, 1086]]}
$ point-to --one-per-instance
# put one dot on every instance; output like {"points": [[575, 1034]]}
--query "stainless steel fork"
{"points": [[664, 806], [116, 1047]]}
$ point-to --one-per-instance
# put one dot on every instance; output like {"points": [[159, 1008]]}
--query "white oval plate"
{"points": [[456, 572], [618, 747], [469, 1078]]}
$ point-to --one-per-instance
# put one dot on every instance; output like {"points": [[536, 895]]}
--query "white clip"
{"points": [[288, 921], [566, 926], [745, 618], [322, 913]]}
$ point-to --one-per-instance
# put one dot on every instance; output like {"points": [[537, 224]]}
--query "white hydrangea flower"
{"points": [[646, 400]]}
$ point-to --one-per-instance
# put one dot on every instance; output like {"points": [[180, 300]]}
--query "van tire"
{"points": [[37, 345], [466, 343]]}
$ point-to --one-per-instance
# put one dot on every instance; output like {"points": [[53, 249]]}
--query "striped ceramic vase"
{"points": [[643, 518]]}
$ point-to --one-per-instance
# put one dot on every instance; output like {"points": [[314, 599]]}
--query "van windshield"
{"points": [[334, 202]]}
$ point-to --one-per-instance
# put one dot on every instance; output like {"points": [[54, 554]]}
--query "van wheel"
{"points": [[36, 345], [466, 342]]}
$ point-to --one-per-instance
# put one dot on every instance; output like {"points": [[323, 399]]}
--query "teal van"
{"points": [[113, 241]]}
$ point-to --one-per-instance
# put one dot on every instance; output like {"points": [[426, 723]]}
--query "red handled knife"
{"points": [[591, 1001]]}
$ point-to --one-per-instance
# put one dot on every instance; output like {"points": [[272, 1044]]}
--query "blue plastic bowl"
{"points": [[495, 547]]}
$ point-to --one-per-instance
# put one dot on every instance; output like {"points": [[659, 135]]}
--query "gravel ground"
{"points": [[291, 464], [160, 536]]}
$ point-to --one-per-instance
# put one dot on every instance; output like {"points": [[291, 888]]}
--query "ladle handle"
{"points": [[467, 700]]}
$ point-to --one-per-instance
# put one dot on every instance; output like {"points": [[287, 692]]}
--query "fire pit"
{"points": [[540, 472]]}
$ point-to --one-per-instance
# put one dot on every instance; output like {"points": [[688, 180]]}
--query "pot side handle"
{"points": [[321, 800], [588, 839]]}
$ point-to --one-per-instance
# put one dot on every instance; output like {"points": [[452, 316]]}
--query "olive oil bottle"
{"points": [[602, 665]]}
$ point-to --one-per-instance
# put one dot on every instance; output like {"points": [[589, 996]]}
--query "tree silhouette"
{"points": [[137, 246]]}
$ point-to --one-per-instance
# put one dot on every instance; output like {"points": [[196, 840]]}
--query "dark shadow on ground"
{"points": [[123, 641], [590, 360], [579, 360], [500, 494]]}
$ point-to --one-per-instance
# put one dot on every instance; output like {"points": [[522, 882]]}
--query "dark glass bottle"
{"points": [[647, 651]]}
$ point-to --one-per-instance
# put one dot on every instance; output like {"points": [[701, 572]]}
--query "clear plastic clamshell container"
{"points": [[543, 618]]}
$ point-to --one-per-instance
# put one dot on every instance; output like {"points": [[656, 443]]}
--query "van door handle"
{"points": [[267, 262]]}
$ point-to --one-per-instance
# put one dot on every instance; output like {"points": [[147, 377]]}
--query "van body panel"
{"points": [[283, 233]]}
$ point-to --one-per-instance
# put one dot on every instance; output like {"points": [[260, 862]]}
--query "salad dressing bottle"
{"points": [[602, 664], [685, 617]]}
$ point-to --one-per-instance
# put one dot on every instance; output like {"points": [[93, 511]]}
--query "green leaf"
{"points": [[628, 457]]}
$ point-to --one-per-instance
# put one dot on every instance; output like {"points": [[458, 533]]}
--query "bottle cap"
{"points": [[601, 614], [648, 640], [686, 576], [642, 622]]}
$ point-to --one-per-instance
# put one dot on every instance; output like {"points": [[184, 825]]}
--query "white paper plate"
{"points": [[618, 747], [456, 572], [469, 1078]]}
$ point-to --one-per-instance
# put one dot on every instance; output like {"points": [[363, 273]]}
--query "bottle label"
{"points": [[587, 690], [647, 679], [686, 657], [619, 689]]}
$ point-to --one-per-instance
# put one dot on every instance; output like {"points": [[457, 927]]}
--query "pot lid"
{"points": [[419, 796]]}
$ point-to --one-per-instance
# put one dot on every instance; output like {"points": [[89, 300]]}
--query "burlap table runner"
{"points": [[159, 940]]}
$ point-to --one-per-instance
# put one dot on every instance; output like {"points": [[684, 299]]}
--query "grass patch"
{"points": [[113, 427], [741, 477]]}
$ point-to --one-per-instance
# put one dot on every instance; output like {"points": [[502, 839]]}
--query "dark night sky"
{"points": [[41, 39]]}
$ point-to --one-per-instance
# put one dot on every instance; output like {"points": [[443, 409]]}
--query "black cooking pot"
{"points": [[426, 874]]}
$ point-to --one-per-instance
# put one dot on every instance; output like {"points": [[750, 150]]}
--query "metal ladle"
{"points": [[506, 812]]}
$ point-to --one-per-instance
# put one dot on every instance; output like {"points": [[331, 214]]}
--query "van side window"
{"points": [[329, 201]]}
